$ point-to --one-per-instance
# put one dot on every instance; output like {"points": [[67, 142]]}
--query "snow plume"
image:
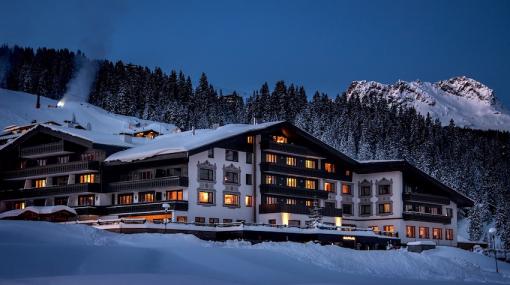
{"points": [[78, 89]]}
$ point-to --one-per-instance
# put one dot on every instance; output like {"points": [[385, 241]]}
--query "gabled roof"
{"points": [[373, 166]]}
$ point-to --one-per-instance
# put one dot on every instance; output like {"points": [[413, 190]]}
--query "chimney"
{"points": [[193, 130], [254, 120], [38, 102]]}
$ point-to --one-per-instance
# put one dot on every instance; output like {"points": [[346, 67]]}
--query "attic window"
{"points": [[279, 139], [249, 139]]}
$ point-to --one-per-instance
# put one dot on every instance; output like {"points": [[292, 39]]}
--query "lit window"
{"points": [[205, 197], [271, 200], [279, 139], [248, 201], [125, 199], [86, 200], [231, 199], [182, 219], [291, 161], [449, 234], [214, 220], [310, 184], [347, 173], [410, 231], [147, 197], [436, 233], [63, 159], [271, 158], [385, 208], [270, 179], [39, 183], [249, 139], [19, 205], [309, 203], [389, 228], [41, 162], [375, 228], [291, 182], [87, 178], [329, 167], [175, 195], [310, 163], [290, 201], [423, 232], [346, 189], [329, 186]]}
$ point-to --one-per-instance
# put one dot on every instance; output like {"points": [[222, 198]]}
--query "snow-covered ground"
{"points": [[44, 253], [19, 108]]}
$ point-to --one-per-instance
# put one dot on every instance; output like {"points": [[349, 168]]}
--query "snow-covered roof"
{"points": [[40, 210], [185, 141], [95, 137]]}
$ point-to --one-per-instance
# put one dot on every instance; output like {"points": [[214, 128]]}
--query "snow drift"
{"points": [[44, 253]]}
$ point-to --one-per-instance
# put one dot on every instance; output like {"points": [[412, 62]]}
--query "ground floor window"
{"points": [[86, 200], [214, 221], [227, 221], [365, 210], [294, 223], [272, 221], [182, 219], [200, 220], [424, 232], [124, 199], [146, 197], [436, 233], [231, 199], [19, 205], [389, 228], [175, 195], [410, 231], [206, 197], [61, 201], [449, 234], [248, 201], [347, 209]]}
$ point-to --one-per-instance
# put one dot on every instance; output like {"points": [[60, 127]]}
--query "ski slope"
{"points": [[45, 253]]}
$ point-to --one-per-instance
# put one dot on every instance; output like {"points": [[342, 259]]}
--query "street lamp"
{"points": [[492, 237], [165, 220]]}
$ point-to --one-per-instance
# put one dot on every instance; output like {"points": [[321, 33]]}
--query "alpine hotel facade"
{"points": [[271, 173]]}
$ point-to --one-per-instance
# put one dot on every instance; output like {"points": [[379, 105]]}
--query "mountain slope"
{"points": [[18, 108], [468, 102]]}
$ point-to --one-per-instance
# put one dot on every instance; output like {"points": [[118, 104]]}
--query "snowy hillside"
{"points": [[44, 253], [468, 102], [18, 108]]}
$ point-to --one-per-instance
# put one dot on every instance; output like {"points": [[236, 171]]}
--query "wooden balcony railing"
{"points": [[264, 166], [51, 190], [43, 149], [427, 198], [162, 182], [297, 209], [293, 192], [288, 148], [146, 207], [51, 169], [425, 217]]}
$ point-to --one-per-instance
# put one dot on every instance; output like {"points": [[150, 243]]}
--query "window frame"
{"points": [[210, 198], [235, 198], [231, 155]]}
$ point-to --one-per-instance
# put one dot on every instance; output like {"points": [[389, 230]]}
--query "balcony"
{"points": [[419, 197], [146, 207], [297, 209], [293, 192], [288, 148], [135, 185], [264, 166], [42, 150], [65, 168], [50, 191], [424, 217]]}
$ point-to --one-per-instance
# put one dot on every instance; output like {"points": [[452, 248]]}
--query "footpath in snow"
{"points": [[45, 253]]}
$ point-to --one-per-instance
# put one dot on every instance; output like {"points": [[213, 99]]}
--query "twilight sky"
{"points": [[323, 45]]}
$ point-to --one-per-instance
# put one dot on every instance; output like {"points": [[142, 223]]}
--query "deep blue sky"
{"points": [[322, 45]]}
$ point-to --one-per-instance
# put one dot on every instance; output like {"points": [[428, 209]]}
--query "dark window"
{"points": [[86, 200], [41, 162], [231, 177], [227, 221], [365, 190], [175, 195], [449, 234], [294, 223], [384, 190], [231, 155], [206, 174], [365, 209], [61, 201], [214, 221], [63, 159], [60, 180], [249, 157], [272, 222], [146, 174], [210, 153], [40, 202], [347, 209], [248, 179], [449, 212], [200, 220], [329, 204]]}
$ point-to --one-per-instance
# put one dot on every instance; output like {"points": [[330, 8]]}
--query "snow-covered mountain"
{"points": [[468, 102], [18, 108]]}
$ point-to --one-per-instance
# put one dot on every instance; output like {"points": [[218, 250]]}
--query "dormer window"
{"points": [[279, 139]]}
